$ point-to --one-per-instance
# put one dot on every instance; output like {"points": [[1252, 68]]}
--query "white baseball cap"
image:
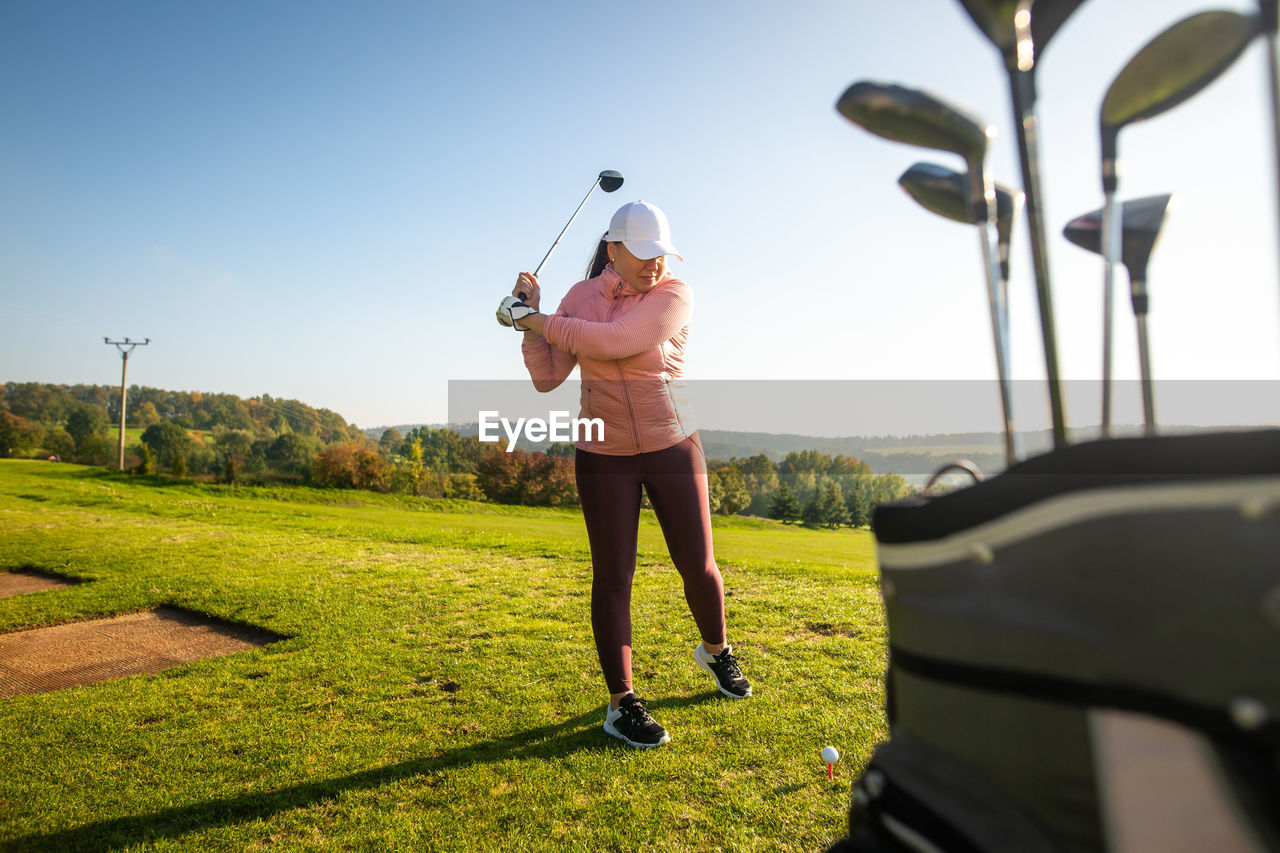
{"points": [[643, 229]]}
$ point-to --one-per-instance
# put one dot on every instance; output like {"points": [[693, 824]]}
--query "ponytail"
{"points": [[599, 260]]}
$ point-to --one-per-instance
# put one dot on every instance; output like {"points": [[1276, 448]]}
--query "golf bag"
{"points": [[1084, 655]]}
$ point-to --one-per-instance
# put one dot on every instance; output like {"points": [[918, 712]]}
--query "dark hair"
{"points": [[600, 259]]}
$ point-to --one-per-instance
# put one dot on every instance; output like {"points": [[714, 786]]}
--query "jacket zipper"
{"points": [[622, 382], [675, 410]]}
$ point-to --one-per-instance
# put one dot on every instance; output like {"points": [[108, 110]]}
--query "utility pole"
{"points": [[126, 346]]}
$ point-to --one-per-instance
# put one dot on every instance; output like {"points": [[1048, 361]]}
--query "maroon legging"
{"points": [[609, 489]]}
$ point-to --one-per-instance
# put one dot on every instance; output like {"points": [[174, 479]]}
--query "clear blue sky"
{"points": [[326, 201]]}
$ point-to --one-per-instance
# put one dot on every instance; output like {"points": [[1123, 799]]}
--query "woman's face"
{"points": [[640, 274]]}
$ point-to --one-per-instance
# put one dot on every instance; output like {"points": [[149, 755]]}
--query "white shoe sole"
{"points": [[711, 672], [612, 732]]}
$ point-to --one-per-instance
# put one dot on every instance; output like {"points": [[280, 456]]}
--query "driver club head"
{"points": [[1173, 67], [998, 21], [900, 114], [610, 180]]}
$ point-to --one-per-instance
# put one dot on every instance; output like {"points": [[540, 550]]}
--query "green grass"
{"points": [[350, 734], [133, 435]]}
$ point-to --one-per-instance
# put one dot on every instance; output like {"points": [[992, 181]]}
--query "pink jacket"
{"points": [[630, 348]]}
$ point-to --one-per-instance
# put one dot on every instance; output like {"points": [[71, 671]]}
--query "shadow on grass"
{"points": [[165, 481], [582, 732]]}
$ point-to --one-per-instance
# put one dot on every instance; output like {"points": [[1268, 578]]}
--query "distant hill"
{"points": [[51, 404], [886, 454], [907, 455], [376, 432], [919, 454]]}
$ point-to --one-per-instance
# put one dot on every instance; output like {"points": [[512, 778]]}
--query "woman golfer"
{"points": [[626, 327]]}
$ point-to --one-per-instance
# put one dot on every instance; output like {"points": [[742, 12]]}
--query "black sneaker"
{"points": [[631, 723], [725, 670]]}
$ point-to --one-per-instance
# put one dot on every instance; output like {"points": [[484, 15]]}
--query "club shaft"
{"points": [[1004, 325], [595, 184], [1022, 88], [1144, 361], [1112, 216], [999, 330], [1273, 69]]}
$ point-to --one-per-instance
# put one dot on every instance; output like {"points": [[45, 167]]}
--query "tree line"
{"points": [[263, 439], [806, 487], [51, 405]]}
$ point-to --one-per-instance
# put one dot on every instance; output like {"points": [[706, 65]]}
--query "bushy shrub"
{"points": [[168, 443], [58, 442], [293, 453], [85, 424], [146, 459], [18, 435], [203, 459], [96, 450], [733, 493], [785, 506], [352, 465], [462, 487], [531, 479]]}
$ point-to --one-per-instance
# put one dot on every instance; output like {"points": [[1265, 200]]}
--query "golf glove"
{"points": [[512, 309]]}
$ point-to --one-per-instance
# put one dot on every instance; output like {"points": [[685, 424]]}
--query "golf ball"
{"points": [[830, 755]]}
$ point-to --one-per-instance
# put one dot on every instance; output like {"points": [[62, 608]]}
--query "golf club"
{"points": [[1021, 29], [943, 191], [907, 115], [1168, 70], [1270, 12], [1143, 218], [609, 181]]}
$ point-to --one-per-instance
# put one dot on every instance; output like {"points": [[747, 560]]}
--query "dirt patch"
{"points": [[22, 581], [44, 659], [816, 630]]}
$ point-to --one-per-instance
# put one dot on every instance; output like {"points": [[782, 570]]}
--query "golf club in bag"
{"points": [[1083, 651], [1169, 69], [1143, 219], [945, 192], [914, 117], [1269, 11], [609, 181], [1083, 655], [1020, 30]]}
